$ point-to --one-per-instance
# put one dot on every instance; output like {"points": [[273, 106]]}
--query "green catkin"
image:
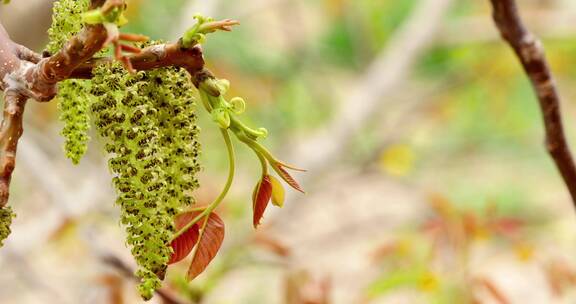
{"points": [[148, 120], [148, 123], [73, 96], [73, 101], [6, 216], [66, 21]]}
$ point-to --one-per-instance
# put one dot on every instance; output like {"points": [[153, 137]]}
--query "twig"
{"points": [[167, 296], [156, 56], [531, 54]]}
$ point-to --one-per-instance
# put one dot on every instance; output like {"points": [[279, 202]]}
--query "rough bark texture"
{"points": [[152, 57], [10, 131], [530, 52]]}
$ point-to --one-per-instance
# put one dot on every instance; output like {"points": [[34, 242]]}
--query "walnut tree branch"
{"points": [[10, 131], [25, 74], [166, 295], [80, 48], [156, 56], [530, 52]]}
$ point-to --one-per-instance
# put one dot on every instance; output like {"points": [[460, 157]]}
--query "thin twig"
{"points": [[531, 54]]}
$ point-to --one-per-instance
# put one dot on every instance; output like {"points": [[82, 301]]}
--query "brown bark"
{"points": [[49, 71], [10, 131], [530, 52], [156, 56]]}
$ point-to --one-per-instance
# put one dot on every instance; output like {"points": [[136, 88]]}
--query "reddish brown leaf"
{"points": [[184, 243], [288, 179], [507, 226], [210, 241], [261, 198]]}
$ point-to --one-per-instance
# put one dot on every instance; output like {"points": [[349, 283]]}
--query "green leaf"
{"points": [[394, 280]]}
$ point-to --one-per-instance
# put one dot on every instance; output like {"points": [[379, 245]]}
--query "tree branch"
{"points": [[10, 131], [531, 54], [166, 295], [152, 57], [25, 74], [60, 66]]}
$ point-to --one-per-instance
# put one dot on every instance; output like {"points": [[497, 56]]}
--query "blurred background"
{"points": [[428, 180]]}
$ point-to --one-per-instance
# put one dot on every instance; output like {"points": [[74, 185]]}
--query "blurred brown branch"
{"points": [[550, 23], [167, 296], [531, 54]]}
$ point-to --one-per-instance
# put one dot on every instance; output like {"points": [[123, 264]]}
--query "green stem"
{"points": [[241, 126], [224, 191], [258, 148], [263, 163], [205, 100]]}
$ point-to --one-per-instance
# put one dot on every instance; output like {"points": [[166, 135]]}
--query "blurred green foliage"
{"points": [[294, 62]]}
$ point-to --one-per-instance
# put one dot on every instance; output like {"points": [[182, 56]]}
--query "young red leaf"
{"points": [[210, 241], [183, 244], [261, 197]]}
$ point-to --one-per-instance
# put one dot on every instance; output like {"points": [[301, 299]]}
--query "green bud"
{"points": [[223, 85], [238, 105], [262, 132]]}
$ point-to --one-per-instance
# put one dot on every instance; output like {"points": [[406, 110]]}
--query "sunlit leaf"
{"points": [[428, 282], [396, 279], [397, 160], [262, 195], [208, 245], [524, 251], [183, 244]]}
